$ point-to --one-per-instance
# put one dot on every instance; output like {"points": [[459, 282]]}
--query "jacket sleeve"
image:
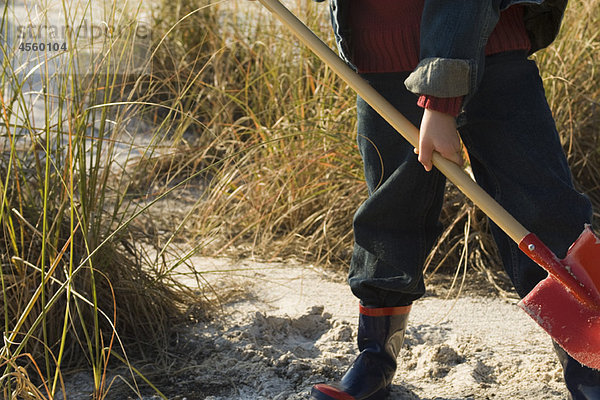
{"points": [[453, 38]]}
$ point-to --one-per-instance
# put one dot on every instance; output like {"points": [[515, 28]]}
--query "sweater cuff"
{"points": [[447, 105]]}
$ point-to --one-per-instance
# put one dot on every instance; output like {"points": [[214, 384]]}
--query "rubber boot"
{"points": [[583, 383], [380, 338]]}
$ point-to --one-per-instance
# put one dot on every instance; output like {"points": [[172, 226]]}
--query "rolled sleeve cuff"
{"points": [[441, 77], [448, 105]]}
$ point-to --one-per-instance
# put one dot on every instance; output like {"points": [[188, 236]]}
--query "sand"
{"points": [[296, 327], [290, 326]]}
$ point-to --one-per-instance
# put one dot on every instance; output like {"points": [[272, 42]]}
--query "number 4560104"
{"points": [[43, 46]]}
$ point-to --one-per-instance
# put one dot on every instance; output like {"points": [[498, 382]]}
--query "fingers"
{"points": [[455, 156], [426, 155]]}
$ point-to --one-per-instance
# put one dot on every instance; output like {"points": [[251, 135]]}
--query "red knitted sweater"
{"points": [[385, 38]]}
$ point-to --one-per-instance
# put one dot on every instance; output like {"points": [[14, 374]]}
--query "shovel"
{"points": [[567, 303]]}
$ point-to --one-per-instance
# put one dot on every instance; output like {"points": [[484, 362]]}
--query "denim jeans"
{"points": [[515, 154]]}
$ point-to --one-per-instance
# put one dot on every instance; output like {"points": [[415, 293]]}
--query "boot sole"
{"points": [[326, 392]]}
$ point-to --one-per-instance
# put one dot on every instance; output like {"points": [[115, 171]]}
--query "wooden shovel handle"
{"points": [[452, 171]]}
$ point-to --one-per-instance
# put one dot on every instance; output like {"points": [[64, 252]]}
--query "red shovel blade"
{"points": [[573, 326], [566, 303]]}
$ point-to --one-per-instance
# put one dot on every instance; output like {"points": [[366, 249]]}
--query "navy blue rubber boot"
{"points": [[583, 383], [380, 338]]}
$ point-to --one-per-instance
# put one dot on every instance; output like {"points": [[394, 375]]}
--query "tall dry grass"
{"points": [[572, 80], [296, 177], [84, 282]]}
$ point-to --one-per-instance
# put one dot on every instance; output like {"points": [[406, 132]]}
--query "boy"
{"points": [[467, 62]]}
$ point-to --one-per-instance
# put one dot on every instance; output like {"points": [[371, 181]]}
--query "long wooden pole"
{"points": [[451, 170]]}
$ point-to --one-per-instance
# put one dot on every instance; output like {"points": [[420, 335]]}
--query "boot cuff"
{"points": [[384, 311]]}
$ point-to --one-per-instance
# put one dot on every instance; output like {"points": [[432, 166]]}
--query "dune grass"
{"points": [[572, 80], [249, 135], [81, 284]]}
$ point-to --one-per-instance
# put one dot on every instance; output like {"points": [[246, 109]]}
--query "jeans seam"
{"points": [[514, 256], [422, 235]]}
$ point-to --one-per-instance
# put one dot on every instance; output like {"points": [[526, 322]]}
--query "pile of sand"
{"points": [[297, 327]]}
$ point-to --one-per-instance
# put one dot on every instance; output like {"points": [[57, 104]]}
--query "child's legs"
{"points": [[396, 226], [517, 157]]}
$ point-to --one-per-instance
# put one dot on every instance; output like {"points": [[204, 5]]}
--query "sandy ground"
{"points": [[296, 327], [292, 326]]}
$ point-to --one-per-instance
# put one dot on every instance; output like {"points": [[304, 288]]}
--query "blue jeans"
{"points": [[515, 154]]}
